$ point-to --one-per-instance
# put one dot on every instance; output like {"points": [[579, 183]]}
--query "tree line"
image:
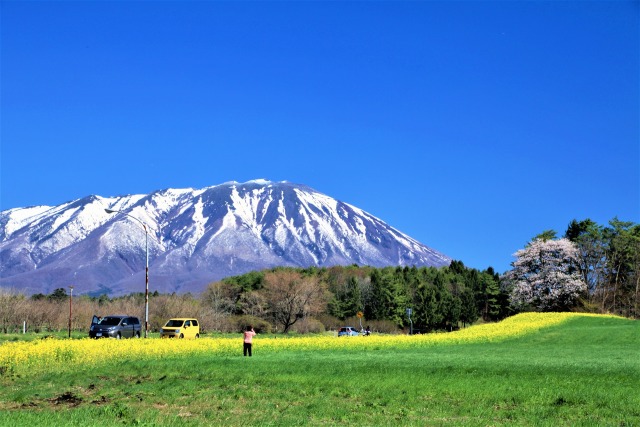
{"points": [[591, 268], [290, 299], [609, 263], [439, 298]]}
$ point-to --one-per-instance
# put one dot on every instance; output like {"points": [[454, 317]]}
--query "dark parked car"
{"points": [[115, 327], [347, 331]]}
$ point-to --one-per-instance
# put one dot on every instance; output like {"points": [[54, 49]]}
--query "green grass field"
{"points": [[585, 372]]}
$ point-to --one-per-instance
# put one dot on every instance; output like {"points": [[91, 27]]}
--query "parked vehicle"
{"points": [[117, 326], [347, 331], [181, 328]]}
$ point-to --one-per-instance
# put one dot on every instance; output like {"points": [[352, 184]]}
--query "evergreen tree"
{"points": [[58, 295], [491, 292], [388, 301], [468, 309], [589, 239], [375, 309], [545, 235], [353, 298], [623, 256], [428, 314], [450, 309]]}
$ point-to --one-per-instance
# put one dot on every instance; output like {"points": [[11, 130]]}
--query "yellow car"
{"points": [[181, 328]]}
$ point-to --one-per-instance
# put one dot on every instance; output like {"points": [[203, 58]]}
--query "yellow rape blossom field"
{"points": [[533, 369], [53, 355]]}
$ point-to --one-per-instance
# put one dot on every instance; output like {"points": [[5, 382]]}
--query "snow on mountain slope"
{"points": [[194, 237]]}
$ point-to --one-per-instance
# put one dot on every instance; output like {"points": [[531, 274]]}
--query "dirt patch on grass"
{"points": [[66, 398], [102, 400], [28, 405]]}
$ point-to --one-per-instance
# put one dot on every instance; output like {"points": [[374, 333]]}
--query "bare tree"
{"points": [[252, 303], [165, 307], [291, 296], [218, 305], [12, 311]]}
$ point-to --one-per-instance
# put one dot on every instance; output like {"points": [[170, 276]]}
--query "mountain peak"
{"points": [[194, 237]]}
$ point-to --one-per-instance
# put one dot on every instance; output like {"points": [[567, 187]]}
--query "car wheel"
{"points": [[118, 336], [181, 335], [137, 334], [197, 335]]}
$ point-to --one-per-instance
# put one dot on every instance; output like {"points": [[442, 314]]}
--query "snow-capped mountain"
{"points": [[194, 237]]}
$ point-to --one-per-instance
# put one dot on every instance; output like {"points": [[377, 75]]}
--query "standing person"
{"points": [[248, 338]]}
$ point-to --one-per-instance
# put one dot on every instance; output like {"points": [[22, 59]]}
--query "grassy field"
{"points": [[579, 370]]}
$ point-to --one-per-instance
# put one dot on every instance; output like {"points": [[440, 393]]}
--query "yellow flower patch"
{"points": [[55, 354]]}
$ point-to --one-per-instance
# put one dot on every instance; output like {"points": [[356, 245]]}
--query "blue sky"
{"points": [[471, 126]]}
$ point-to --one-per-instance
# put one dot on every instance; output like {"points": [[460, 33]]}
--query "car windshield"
{"points": [[174, 323], [110, 321]]}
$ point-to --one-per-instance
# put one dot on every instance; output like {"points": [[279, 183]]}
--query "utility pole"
{"points": [[146, 274], [70, 310]]}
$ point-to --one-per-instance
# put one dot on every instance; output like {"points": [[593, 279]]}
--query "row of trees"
{"points": [[288, 299], [440, 299], [592, 267], [609, 263]]}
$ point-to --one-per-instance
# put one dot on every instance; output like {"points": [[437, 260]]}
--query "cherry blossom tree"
{"points": [[545, 276]]}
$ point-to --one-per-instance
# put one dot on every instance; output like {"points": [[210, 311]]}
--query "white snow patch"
{"points": [[21, 217], [246, 208], [259, 181], [228, 222], [197, 230]]}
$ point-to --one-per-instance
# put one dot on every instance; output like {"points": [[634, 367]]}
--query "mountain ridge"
{"points": [[195, 236]]}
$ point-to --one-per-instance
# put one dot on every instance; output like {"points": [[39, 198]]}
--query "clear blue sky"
{"points": [[469, 125]]}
